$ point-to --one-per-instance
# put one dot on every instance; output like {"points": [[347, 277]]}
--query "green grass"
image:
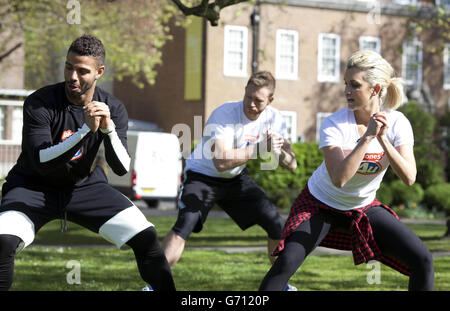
{"points": [[44, 268], [216, 232], [106, 268]]}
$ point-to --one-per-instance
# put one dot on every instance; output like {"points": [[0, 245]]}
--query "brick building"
{"points": [[304, 43]]}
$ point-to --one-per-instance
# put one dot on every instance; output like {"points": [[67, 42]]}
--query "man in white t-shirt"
{"points": [[216, 171]]}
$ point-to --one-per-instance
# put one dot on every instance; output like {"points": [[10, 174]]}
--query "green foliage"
{"points": [[438, 24], [403, 194], [438, 196], [444, 140], [429, 158], [2, 180], [417, 211], [206, 9], [133, 33], [430, 149], [385, 194], [281, 185]]}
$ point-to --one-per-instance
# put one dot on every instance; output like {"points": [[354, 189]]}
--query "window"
{"points": [[290, 118], [321, 116], [406, 2], [286, 66], [329, 57], [412, 62], [235, 51], [370, 43], [17, 124], [444, 3], [11, 121], [447, 67], [2, 122]]}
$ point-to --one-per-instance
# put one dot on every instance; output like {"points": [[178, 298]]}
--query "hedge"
{"points": [[2, 180], [385, 194], [430, 160], [281, 185], [438, 196]]}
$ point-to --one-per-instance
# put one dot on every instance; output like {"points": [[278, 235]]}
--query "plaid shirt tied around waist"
{"points": [[359, 239]]}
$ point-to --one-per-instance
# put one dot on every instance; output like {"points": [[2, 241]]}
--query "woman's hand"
{"points": [[377, 125]]}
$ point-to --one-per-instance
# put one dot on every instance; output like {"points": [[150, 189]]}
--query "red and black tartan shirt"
{"points": [[359, 240]]}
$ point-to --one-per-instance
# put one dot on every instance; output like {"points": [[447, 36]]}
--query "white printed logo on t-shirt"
{"points": [[371, 164]]}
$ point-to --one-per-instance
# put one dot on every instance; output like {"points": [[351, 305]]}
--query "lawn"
{"points": [[45, 268], [216, 232], [104, 268]]}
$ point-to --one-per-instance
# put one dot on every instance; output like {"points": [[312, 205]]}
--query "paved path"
{"points": [[168, 209], [318, 251]]}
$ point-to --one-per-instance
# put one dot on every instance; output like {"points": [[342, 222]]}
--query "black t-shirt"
{"points": [[48, 120]]}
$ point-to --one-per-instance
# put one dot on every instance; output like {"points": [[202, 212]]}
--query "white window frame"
{"points": [[364, 39], [279, 74], [2, 121], [16, 104], [337, 58], [293, 116], [17, 124], [418, 45], [446, 67], [320, 118], [447, 6], [227, 71], [406, 2]]}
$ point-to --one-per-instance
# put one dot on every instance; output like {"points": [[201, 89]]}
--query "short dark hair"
{"points": [[263, 79], [88, 45]]}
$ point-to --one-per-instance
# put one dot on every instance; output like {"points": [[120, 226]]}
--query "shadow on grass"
{"points": [[431, 238], [75, 237], [224, 240]]}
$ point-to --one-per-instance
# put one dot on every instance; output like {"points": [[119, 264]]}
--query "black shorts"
{"points": [[94, 205], [240, 197]]}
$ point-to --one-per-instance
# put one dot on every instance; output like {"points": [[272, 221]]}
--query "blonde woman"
{"points": [[338, 208]]}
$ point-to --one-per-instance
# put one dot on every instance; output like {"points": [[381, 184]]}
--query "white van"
{"points": [[155, 169]]}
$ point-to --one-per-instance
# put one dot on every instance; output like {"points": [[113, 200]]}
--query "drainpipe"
{"points": [[254, 19]]}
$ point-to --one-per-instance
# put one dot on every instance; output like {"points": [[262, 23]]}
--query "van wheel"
{"points": [[152, 203]]}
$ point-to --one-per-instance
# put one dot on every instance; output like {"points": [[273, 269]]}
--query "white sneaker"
{"points": [[290, 288], [147, 288]]}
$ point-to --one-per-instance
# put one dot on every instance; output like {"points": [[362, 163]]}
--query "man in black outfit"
{"points": [[63, 127]]}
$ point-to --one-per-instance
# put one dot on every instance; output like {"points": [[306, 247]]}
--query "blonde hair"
{"points": [[378, 71]]}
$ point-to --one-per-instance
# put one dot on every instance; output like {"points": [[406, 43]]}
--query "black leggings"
{"points": [[392, 237], [151, 260], [152, 263], [8, 246]]}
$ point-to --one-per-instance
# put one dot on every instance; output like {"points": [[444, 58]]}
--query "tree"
{"points": [[205, 9], [436, 20], [133, 32]]}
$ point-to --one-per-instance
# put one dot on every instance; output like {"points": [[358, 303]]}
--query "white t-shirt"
{"points": [[340, 129], [229, 122]]}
